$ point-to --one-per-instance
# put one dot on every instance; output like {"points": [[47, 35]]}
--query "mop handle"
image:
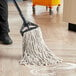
{"points": [[20, 13]]}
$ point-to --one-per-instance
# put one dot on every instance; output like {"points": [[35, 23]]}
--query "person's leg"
{"points": [[4, 16], [4, 27]]}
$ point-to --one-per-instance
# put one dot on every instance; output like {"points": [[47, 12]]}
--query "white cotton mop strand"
{"points": [[35, 51]]}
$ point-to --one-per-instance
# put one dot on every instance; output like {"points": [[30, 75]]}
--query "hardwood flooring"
{"points": [[55, 33]]}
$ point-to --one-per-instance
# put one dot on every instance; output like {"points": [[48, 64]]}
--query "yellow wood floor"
{"points": [[55, 33]]}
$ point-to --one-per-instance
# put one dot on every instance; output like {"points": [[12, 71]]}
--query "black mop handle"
{"points": [[20, 13]]}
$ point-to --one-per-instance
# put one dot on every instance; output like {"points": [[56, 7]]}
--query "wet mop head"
{"points": [[35, 51]]}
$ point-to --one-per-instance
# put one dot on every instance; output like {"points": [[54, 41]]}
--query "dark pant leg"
{"points": [[4, 16]]}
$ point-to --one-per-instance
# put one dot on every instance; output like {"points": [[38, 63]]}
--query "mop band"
{"points": [[30, 27]]}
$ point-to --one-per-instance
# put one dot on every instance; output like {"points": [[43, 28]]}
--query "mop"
{"points": [[35, 51]]}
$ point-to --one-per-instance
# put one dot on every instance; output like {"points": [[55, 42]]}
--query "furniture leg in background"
{"points": [[72, 27], [48, 3], [69, 14]]}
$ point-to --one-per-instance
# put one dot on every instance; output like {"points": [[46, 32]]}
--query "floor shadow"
{"points": [[11, 57]]}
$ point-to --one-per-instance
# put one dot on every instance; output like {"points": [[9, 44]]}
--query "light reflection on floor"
{"points": [[67, 66], [51, 71]]}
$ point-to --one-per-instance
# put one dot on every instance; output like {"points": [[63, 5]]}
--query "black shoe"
{"points": [[5, 39]]}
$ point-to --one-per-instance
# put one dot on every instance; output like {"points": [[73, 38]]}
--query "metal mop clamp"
{"points": [[27, 26]]}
